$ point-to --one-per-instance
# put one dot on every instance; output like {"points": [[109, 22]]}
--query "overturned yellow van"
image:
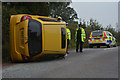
{"points": [[32, 36]]}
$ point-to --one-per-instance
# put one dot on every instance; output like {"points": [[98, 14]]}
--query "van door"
{"points": [[21, 37]]}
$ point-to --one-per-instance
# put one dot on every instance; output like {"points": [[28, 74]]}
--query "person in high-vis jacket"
{"points": [[80, 37], [68, 37]]}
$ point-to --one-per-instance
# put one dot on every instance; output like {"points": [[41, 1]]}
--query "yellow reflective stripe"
{"points": [[68, 34], [83, 34]]}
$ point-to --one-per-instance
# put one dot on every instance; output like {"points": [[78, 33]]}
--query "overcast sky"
{"points": [[104, 12]]}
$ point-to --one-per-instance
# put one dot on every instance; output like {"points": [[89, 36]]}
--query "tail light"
{"points": [[90, 39], [24, 18], [104, 38], [90, 34]]}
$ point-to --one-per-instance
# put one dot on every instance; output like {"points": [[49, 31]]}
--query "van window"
{"points": [[34, 37], [63, 37]]}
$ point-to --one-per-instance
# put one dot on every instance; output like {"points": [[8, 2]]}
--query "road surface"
{"points": [[92, 63]]}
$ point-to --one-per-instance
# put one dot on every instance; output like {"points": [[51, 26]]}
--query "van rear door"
{"points": [[21, 37]]}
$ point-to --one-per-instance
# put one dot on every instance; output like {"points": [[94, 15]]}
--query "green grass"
{"points": [[118, 43], [73, 44]]}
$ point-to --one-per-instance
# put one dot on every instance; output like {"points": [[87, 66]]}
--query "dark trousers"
{"points": [[67, 45], [81, 45]]}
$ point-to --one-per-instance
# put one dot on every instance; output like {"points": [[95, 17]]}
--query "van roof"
{"points": [[42, 18]]}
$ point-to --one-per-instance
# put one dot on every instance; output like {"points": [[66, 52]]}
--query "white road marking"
{"points": [[85, 49], [93, 49], [99, 48], [109, 48]]}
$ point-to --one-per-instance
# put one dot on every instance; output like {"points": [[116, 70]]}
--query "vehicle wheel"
{"points": [[115, 45], [109, 45], [98, 46], [90, 46]]}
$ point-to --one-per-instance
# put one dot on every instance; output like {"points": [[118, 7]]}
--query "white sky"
{"points": [[104, 12]]}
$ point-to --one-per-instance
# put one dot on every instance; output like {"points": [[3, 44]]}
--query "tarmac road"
{"points": [[92, 63]]}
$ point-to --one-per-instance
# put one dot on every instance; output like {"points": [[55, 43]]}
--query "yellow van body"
{"points": [[35, 37]]}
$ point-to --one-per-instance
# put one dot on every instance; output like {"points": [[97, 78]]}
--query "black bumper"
{"points": [[100, 44]]}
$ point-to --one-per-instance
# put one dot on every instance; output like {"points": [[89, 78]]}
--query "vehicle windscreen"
{"points": [[34, 37], [96, 34], [63, 37]]}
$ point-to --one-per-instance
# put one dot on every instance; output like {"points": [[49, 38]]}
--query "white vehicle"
{"points": [[101, 38]]}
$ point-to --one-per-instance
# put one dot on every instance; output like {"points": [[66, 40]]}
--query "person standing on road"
{"points": [[80, 37], [68, 37]]}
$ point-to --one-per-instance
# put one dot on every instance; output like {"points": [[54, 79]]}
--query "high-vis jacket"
{"points": [[68, 34], [83, 36]]}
